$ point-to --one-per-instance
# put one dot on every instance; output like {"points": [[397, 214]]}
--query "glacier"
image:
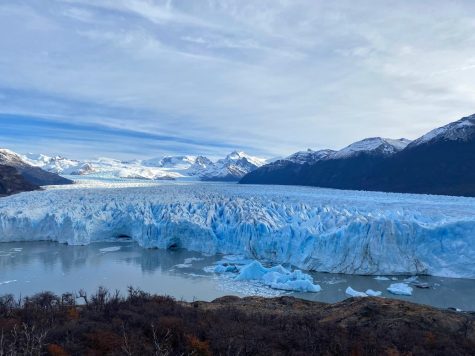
{"points": [[310, 228]]}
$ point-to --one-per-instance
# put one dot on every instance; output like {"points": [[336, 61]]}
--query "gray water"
{"points": [[30, 267]]}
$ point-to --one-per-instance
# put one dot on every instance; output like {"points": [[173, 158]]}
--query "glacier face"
{"points": [[310, 228]]}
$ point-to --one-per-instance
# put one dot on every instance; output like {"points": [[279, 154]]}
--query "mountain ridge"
{"points": [[32, 174], [439, 162], [230, 168]]}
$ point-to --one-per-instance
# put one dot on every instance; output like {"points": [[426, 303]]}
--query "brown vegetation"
{"points": [[142, 324]]}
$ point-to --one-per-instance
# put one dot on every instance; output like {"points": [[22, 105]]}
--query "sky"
{"points": [[146, 78]]}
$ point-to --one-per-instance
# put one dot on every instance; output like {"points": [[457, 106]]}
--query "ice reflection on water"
{"points": [[30, 267]]}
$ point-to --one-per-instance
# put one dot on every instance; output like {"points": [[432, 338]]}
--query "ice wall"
{"points": [[311, 228]]}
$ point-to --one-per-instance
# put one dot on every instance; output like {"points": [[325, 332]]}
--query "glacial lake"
{"points": [[30, 267]]}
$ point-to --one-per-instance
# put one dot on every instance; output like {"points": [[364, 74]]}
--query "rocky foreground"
{"points": [[142, 324]]}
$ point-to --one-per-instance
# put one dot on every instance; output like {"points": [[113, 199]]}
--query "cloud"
{"points": [[273, 76]]}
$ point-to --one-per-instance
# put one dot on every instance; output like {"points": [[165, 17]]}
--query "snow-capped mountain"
{"points": [[440, 162], [31, 173], [309, 156], [55, 164], [373, 145], [461, 130], [233, 167], [11, 181], [177, 162]]}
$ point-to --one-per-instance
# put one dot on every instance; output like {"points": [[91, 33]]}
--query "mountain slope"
{"points": [[33, 175], [374, 145], [309, 156], [11, 181], [327, 168], [232, 168], [440, 162]]}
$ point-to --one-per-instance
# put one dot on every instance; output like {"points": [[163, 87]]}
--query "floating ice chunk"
{"points": [[381, 278], [335, 281], [196, 275], [295, 281], [256, 271], [422, 285], [400, 289], [278, 277], [223, 268], [110, 249], [355, 293], [235, 260], [8, 282], [411, 279], [233, 257], [209, 269], [190, 260], [183, 265], [373, 293]]}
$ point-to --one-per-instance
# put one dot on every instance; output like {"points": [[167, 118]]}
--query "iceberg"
{"points": [[373, 293], [369, 293], [400, 289], [310, 228], [225, 268], [278, 277], [354, 293], [110, 249]]}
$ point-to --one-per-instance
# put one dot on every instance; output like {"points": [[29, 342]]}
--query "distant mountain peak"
{"points": [[238, 155], [462, 130], [384, 146], [30, 173], [233, 167], [309, 156]]}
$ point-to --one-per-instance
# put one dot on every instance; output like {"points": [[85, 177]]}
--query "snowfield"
{"points": [[310, 228]]}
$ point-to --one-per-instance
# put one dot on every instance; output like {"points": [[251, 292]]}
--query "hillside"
{"points": [[142, 324], [440, 162]]}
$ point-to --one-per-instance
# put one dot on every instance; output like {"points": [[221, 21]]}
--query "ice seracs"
{"points": [[309, 228]]}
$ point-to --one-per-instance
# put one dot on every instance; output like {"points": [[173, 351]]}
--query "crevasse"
{"points": [[310, 228]]}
